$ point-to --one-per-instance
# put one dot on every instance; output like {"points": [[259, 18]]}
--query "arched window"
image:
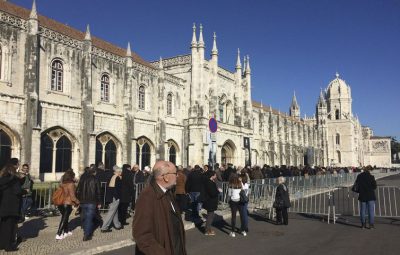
{"points": [[337, 115], [221, 112], [169, 104], [142, 98], [5, 148], [110, 155], [63, 154], [172, 154], [99, 152], [338, 139], [46, 154], [105, 88], [146, 155], [57, 75], [339, 157]]}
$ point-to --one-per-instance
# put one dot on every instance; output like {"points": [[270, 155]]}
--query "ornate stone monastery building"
{"points": [[69, 99]]}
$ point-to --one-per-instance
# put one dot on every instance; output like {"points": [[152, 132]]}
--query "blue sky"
{"points": [[294, 45]]}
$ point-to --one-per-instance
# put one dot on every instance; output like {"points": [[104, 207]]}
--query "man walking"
{"points": [[89, 195], [27, 185], [157, 224]]}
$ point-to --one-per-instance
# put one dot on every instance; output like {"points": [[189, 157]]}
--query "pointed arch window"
{"points": [[63, 154], [172, 154], [337, 114], [221, 112], [46, 154], [106, 150], [142, 94], [105, 88], [169, 104], [57, 74], [338, 139], [5, 148]]}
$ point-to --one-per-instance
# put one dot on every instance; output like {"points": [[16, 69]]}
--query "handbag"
{"points": [[58, 196], [243, 197], [355, 188]]}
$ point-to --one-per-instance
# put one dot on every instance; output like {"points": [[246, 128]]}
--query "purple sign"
{"points": [[213, 125]]}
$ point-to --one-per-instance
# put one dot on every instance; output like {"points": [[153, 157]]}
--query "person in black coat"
{"points": [[10, 207], [366, 186], [195, 187], [127, 189], [282, 202], [210, 203]]}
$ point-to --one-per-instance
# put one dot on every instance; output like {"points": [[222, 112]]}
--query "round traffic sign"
{"points": [[213, 125]]}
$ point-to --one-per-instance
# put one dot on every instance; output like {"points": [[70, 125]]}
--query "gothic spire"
{"points": [[244, 64], [321, 100], [87, 34], [248, 70], [238, 64], [214, 50], [201, 41], [294, 101], [128, 50], [194, 40], [33, 14]]}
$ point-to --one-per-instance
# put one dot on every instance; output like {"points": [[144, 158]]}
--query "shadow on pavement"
{"points": [[31, 228]]}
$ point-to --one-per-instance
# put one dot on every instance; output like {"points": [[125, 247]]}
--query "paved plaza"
{"points": [[304, 235]]}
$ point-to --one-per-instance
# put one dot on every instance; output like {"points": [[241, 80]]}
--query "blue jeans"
{"points": [[245, 217], [196, 204], [88, 213], [26, 204], [371, 211]]}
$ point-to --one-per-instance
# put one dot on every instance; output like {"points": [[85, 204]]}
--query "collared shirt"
{"points": [[165, 190]]}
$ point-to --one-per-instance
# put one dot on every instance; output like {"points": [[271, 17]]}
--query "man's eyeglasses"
{"points": [[176, 173]]}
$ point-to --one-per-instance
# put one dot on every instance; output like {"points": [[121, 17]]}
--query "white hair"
{"points": [[281, 179]]}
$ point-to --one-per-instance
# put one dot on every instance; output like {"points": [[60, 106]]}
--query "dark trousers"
{"points": [[182, 201], [26, 204], [210, 218], [235, 207], [88, 213], [282, 213], [65, 211], [122, 212], [8, 228]]}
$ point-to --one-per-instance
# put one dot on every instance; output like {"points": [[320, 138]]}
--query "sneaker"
{"points": [[244, 233], [68, 234], [232, 234], [27, 218], [105, 230], [60, 237], [371, 226]]}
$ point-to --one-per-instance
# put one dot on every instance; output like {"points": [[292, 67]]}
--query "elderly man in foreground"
{"points": [[157, 225]]}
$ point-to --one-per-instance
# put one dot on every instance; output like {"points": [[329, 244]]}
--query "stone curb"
{"points": [[128, 242]]}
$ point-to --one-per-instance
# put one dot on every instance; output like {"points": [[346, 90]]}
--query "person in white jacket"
{"points": [[235, 186]]}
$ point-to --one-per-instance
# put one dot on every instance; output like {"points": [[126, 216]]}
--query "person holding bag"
{"points": [[235, 186], [282, 202], [69, 200], [244, 200]]}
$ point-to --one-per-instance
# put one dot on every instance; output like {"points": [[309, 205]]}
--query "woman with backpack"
{"points": [[282, 202], [69, 200]]}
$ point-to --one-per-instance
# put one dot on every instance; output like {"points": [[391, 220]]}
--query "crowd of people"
{"points": [[170, 191]]}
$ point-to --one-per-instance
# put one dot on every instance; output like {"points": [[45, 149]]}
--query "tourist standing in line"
{"points": [[127, 191], [366, 188], [235, 186], [27, 184], [112, 198], [10, 201], [157, 224], [245, 214], [68, 186], [210, 199], [282, 202]]}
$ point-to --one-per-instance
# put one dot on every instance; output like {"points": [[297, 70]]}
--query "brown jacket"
{"points": [[152, 226], [180, 183], [69, 193]]}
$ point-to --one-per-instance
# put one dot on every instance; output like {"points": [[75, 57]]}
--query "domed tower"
{"points": [[339, 99]]}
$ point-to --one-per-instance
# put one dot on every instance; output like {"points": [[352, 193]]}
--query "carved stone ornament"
{"points": [[380, 146]]}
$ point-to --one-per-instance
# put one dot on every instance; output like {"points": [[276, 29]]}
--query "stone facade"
{"points": [[68, 99]]}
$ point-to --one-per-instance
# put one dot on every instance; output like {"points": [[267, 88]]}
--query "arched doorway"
{"points": [[5, 148], [106, 150], [227, 153]]}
